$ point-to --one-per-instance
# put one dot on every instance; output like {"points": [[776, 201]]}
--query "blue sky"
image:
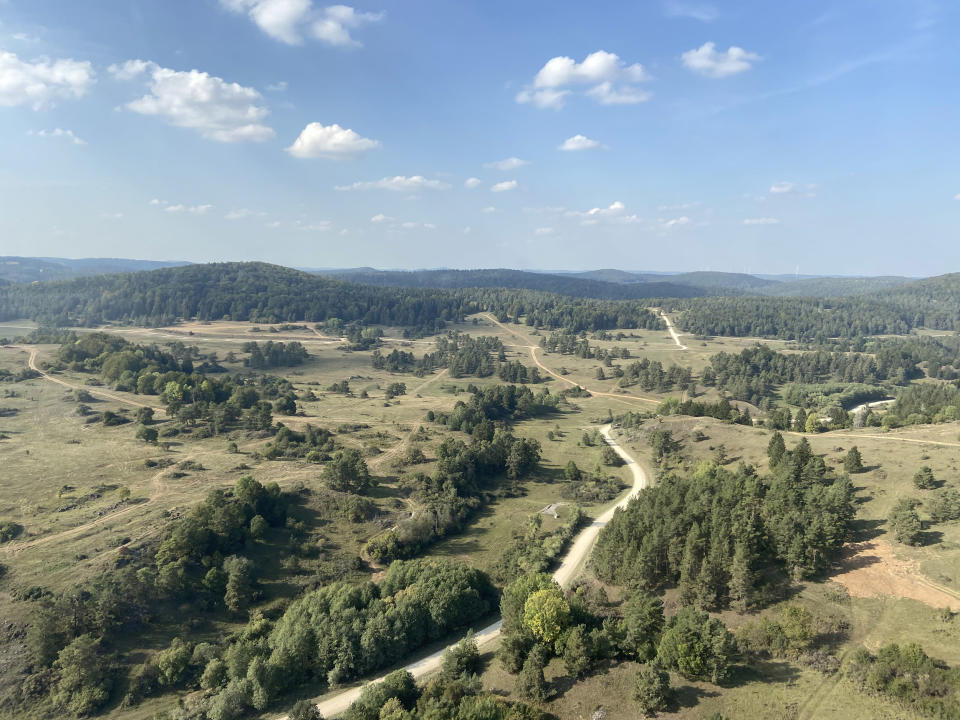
{"points": [[655, 135]]}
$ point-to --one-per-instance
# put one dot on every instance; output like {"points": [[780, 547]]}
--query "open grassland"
{"points": [[84, 492]]}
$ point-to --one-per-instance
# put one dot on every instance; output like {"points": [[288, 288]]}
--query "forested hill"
{"points": [[932, 303], [34, 269], [270, 293], [568, 285]]}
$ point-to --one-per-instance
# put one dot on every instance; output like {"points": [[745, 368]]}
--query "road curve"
{"points": [[32, 362], [569, 566]]}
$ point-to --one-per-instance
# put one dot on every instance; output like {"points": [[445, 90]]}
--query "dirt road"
{"points": [[569, 567], [625, 398], [673, 331], [32, 362]]}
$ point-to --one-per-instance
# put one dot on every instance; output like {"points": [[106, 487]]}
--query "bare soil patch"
{"points": [[870, 569]]}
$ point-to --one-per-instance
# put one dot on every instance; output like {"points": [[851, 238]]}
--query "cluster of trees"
{"points": [[540, 621], [312, 444], [532, 550], [195, 399], [498, 402], [651, 376], [445, 499], [72, 635], [803, 319], [720, 535], [591, 487], [721, 410], [464, 355], [907, 674], [274, 354], [924, 403], [455, 693], [199, 555], [757, 373]]}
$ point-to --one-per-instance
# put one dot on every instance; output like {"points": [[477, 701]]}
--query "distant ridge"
{"points": [[43, 269], [521, 280]]}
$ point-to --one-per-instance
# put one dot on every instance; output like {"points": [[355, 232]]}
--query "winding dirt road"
{"points": [[625, 398], [567, 571]]}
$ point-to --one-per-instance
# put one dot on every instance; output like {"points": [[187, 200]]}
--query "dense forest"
{"points": [[268, 293], [725, 537]]}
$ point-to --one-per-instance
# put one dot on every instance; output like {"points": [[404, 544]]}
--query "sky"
{"points": [[750, 136]]}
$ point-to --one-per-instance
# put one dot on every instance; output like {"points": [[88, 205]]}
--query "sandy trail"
{"points": [[568, 569], [673, 331]]}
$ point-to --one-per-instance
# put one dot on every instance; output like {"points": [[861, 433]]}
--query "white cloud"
{"points": [[278, 86], [761, 221], [188, 209], [615, 210], [467, 230], [289, 21], [792, 188], [606, 94], [489, 210], [58, 133], [612, 81], [112, 216], [676, 222], [511, 163], [578, 142], [471, 183], [218, 110], [957, 196], [543, 231], [504, 186], [694, 11], [157, 201], [242, 213], [318, 140], [398, 183], [43, 81], [24, 37], [706, 60], [317, 226], [381, 218]]}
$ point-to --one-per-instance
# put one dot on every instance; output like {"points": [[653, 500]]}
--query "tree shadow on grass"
{"points": [[864, 530], [688, 696]]}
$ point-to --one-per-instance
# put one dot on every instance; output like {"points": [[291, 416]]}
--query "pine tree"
{"points": [[800, 420], [853, 462], [531, 685], [741, 579], [776, 449]]}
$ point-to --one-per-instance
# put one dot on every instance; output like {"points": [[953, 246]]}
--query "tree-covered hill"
{"points": [[270, 293], [568, 285], [833, 286]]}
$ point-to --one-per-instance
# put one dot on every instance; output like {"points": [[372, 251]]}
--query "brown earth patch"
{"points": [[870, 569]]}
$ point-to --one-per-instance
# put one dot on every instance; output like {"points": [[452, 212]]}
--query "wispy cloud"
{"points": [[695, 11], [58, 133], [398, 183]]}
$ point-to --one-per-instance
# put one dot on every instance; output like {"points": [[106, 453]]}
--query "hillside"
{"points": [[520, 280], [34, 269], [270, 293], [832, 286]]}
